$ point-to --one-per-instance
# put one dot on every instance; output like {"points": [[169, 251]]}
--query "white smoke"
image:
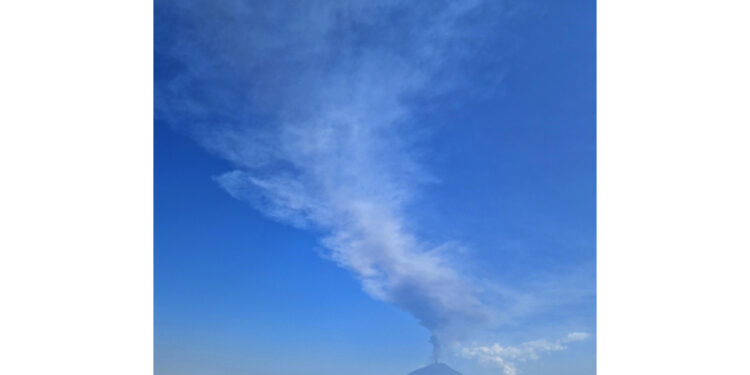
{"points": [[334, 154], [507, 357], [312, 103]]}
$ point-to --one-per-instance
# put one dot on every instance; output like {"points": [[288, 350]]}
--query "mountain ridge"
{"points": [[437, 368]]}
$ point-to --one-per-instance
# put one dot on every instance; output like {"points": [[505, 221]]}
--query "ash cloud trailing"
{"points": [[310, 102]]}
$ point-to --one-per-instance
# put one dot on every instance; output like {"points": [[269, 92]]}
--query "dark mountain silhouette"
{"points": [[435, 369]]}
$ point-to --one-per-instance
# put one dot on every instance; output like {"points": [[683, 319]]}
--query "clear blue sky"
{"points": [[335, 183]]}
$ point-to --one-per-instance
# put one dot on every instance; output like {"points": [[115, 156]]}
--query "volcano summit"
{"points": [[435, 369]]}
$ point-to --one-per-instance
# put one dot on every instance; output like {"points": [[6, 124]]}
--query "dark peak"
{"points": [[436, 368]]}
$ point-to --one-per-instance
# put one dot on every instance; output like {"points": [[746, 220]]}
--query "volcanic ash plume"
{"points": [[310, 102]]}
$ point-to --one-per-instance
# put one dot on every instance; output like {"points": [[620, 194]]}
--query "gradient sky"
{"points": [[479, 149]]}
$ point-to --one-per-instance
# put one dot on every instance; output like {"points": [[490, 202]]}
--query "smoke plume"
{"points": [[311, 101]]}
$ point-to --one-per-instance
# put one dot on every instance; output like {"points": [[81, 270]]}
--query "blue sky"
{"points": [[336, 183]]}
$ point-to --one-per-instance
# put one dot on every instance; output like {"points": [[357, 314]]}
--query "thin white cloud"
{"points": [[311, 104], [576, 336], [507, 357], [334, 154]]}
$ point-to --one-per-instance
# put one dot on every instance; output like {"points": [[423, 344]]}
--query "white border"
{"points": [[673, 187], [76, 192]]}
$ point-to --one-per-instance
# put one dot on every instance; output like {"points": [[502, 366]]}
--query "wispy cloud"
{"points": [[334, 79], [312, 103], [506, 357]]}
